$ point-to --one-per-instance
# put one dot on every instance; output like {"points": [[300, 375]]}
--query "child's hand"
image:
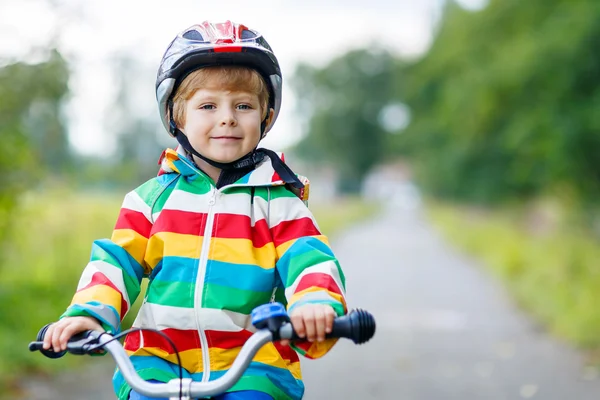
{"points": [[59, 333], [312, 321]]}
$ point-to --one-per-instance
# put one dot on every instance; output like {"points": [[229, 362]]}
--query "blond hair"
{"points": [[233, 78]]}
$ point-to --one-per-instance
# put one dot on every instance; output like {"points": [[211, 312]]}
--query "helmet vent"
{"points": [[247, 34], [193, 35]]}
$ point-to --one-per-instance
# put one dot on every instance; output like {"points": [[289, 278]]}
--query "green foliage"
{"points": [[505, 105], [33, 136], [48, 246], [340, 104]]}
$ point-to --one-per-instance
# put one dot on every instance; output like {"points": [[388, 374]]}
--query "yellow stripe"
{"points": [[297, 296], [241, 251], [103, 294], [319, 349], [132, 242], [164, 244], [191, 359], [282, 248], [222, 359], [294, 368]]}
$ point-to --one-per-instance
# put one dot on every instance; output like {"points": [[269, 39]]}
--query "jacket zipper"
{"points": [[201, 275], [200, 283]]}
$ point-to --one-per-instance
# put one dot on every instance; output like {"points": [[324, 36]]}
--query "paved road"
{"points": [[445, 330]]}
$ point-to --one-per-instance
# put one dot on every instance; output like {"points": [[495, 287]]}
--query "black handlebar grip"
{"points": [[39, 344], [358, 326], [77, 344]]}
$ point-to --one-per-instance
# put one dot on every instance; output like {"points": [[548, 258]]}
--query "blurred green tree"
{"points": [[505, 104], [340, 106], [34, 139]]}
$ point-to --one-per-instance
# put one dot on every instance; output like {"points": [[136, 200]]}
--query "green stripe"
{"points": [[261, 384], [237, 300], [162, 199], [298, 350], [149, 190], [302, 261], [277, 192], [280, 296], [176, 294], [237, 190], [196, 186], [123, 390], [336, 305], [132, 286]]}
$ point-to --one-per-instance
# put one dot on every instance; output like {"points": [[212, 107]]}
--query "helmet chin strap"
{"points": [[249, 160]]}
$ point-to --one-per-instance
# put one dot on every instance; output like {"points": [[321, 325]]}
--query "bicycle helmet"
{"points": [[212, 44]]}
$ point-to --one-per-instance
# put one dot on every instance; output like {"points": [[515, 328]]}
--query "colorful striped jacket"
{"points": [[210, 257]]}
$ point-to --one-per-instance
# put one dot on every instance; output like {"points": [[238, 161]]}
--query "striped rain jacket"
{"points": [[210, 257]]}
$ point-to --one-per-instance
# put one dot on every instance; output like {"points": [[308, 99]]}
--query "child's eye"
{"points": [[207, 107], [244, 106]]}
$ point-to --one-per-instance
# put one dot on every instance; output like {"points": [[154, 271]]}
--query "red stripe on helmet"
{"points": [[228, 49]]}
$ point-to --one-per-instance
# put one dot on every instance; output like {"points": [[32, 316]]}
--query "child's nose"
{"points": [[228, 118]]}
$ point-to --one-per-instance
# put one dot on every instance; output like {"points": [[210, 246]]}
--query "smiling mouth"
{"points": [[227, 138]]}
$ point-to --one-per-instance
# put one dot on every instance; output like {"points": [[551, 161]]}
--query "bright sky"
{"points": [[313, 31]]}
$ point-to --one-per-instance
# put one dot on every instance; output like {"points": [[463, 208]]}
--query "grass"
{"points": [[46, 252], [554, 274], [333, 217]]}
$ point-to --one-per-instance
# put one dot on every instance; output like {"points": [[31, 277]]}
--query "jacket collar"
{"points": [[175, 161]]}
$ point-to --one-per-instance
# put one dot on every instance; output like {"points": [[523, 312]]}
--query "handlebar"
{"points": [[271, 322]]}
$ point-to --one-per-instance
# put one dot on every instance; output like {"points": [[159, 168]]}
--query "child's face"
{"points": [[223, 125]]}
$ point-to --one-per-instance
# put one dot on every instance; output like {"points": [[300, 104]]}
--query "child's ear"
{"points": [[270, 116]]}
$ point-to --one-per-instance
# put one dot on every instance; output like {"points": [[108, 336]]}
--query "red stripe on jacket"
{"points": [[100, 279], [183, 339], [135, 220], [183, 222], [318, 279], [235, 226], [288, 230]]}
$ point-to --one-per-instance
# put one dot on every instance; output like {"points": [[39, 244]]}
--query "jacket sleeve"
{"points": [[110, 282], [309, 271]]}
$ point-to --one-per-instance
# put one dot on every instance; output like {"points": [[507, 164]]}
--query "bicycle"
{"points": [[270, 320]]}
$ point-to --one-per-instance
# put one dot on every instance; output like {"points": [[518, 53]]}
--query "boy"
{"points": [[218, 232]]}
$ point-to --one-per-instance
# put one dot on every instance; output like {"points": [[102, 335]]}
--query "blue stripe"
{"points": [[107, 250], [244, 395], [302, 246], [282, 378], [244, 179], [82, 310], [240, 276], [184, 166], [151, 367], [165, 179], [176, 269]]}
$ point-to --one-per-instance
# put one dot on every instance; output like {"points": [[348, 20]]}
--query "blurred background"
{"points": [[476, 120]]}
